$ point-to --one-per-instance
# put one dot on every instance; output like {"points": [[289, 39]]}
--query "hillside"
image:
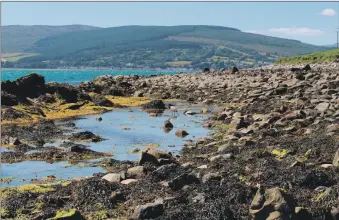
{"points": [[18, 38], [193, 46], [319, 57]]}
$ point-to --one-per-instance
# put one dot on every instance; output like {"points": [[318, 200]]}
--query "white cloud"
{"points": [[293, 31], [328, 12]]}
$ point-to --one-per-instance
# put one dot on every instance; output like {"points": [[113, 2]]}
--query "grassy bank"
{"points": [[318, 57]]}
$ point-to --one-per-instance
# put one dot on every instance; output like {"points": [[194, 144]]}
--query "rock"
{"points": [[221, 157], [332, 128], [206, 70], [12, 114], [335, 213], [99, 119], [100, 100], [85, 135], [8, 99], [182, 180], [128, 181], [322, 107], [211, 177], [138, 94], [148, 211], [64, 91], [136, 172], [181, 133], [234, 70], [238, 123], [307, 67], [72, 214], [266, 202], [112, 177], [199, 198], [204, 110], [147, 157], [275, 216], [224, 148], [31, 85], [336, 158], [16, 141], [167, 125], [202, 167], [155, 104], [301, 214], [116, 196]]}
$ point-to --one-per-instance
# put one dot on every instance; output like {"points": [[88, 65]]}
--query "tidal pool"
{"points": [[124, 131]]}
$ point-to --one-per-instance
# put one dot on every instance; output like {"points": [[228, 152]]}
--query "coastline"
{"points": [[270, 127]]}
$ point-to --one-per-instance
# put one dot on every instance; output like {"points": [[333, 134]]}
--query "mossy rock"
{"points": [[71, 214]]}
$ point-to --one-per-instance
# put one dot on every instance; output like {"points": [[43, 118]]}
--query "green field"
{"points": [[13, 57], [318, 57]]}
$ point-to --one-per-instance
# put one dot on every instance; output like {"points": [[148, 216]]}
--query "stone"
{"points": [[322, 107], [155, 104], [266, 202], [147, 157], [180, 181], [128, 181], [221, 157], [301, 214], [112, 177], [336, 158], [211, 177], [181, 133], [136, 172], [148, 211], [224, 148], [167, 124], [199, 198]]}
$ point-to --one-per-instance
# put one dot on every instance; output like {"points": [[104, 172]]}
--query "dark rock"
{"points": [[148, 211], [147, 157], [206, 70], [155, 104], [315, 178], [183, 180], [235, 70], [31, 85], [12, 114], [8, 99], [46, 98], [211, 177], [85, 135], [64, 91], [307, 67], [167, 124], [100, 100], [181, 133], [73, 147]]}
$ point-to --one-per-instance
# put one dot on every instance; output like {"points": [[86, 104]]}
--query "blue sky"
{"points": [[310, 22]]}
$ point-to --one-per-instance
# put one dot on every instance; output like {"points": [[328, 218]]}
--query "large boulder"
{"points": [[155, 104], [64, 91], [31, 85], [8, 99]]}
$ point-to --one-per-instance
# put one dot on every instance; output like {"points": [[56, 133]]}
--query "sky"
{"points": [[310, 22]]}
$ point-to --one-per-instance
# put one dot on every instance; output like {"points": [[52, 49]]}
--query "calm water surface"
{"points": [[143, 131]]}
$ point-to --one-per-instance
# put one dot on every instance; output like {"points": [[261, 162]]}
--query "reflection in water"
{"points": [[143, 131]]}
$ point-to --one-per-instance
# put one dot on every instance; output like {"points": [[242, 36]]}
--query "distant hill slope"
{"points": [[332, 45], [318, 57], [17, 38], [160, 46]]}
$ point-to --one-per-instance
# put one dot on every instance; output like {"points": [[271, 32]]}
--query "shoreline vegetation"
{"points": [[273, 153]]}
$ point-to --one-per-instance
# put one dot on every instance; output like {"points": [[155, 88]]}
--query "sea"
{"points": [[76, 76]]}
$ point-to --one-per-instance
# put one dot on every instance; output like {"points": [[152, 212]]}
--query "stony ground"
{"points": [[274, 154]]}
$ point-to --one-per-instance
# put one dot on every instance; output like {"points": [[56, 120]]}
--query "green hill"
{"points": [[160, 46], [18, 38], [318, 57]]}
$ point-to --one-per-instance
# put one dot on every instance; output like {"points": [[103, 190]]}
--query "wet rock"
{"points": [[336, 158], [99, 119], [112, 177], [206, 70], [148, 211], [76, 106], [181, 133], [155, 104], [147, 157], [266, 202], [183, 180], [167, 124], [136, 172], [73, 147], [85, 136]]}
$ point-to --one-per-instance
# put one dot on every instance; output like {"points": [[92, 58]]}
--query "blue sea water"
{"points": [[75, 76]]}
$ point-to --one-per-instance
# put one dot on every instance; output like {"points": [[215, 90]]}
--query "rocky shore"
{"points": [[274, 153]]}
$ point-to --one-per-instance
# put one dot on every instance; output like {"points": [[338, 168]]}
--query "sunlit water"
{"points": [[75, 76], [143, 131]]}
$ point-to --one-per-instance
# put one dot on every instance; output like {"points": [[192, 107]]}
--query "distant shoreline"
{"points": [[99, 69]]}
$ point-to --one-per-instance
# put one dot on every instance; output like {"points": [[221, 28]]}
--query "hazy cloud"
{"points": [[294, 31], [328, 12]]}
